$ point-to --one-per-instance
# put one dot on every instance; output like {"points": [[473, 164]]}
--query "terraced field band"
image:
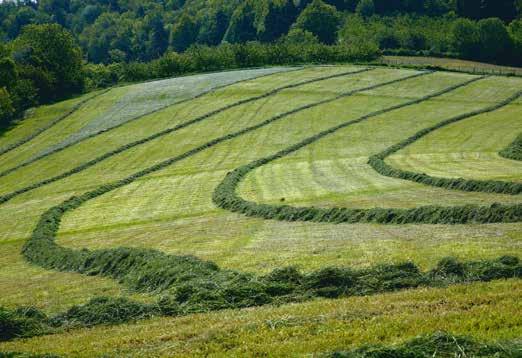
{"points": [[51, 124], [5, 198], [95, 134], [225, 195]]}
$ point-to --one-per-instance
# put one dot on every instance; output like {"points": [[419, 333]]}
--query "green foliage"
{"points": [[494, 40], [6, 107], [9, 73], [300, 37], [365, 8], [439, 344], [48, 55], [503, 9], [405, 32], [320, 19], [514, 150], [466, 37], [241, 27], [184, 33]]}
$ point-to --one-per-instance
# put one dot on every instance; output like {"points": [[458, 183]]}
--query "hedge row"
{"points": [[59, 149], [200, 59], [188, 285], [378, 163], [81, 167], [514, 150], [51, 124], [439, 344], [226, 197]]}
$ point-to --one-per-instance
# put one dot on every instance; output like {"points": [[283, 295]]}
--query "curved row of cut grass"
{"points": [[226, 197], [514, 150], [50, 124], [112, 257], [378, 163], [48, 223], [77, 137], [208, 115], [22, 213], [289, 330]]}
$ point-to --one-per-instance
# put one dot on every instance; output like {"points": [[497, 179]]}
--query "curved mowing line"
{"points": [[5, 198], [39, 131], [514, 150], [41, 246], [226, 197], [193, 285], [59, 149], [378, 163]]}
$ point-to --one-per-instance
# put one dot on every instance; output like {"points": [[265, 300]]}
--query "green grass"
{"points": [[468, 149], [488, 312], [36, 119], [172, 211]]}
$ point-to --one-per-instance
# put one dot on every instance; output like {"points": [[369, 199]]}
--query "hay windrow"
{"points": [[225, 195], [514, 150]]}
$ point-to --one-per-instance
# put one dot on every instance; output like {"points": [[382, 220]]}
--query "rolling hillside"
{"points": [[279, 211]]}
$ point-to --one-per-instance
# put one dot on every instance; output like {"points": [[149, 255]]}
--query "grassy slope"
{"points": [[31, 205], [120, 105], [171, 210], [487, 311], [469, 149], [38, 118]]}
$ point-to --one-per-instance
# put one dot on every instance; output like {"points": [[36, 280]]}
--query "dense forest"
{"points": [[45, 45]]}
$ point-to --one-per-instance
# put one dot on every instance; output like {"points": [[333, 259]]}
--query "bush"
{"points": [[6, 107], [320, 19]]}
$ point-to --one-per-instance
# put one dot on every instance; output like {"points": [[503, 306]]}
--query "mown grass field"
{"points": [[171, 210]]}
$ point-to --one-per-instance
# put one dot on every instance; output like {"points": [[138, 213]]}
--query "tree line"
{"points": [[45, 45], [130, 30]]}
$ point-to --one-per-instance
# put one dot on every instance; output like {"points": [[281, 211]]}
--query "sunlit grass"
{"points": [[172, 211], [488, 312]]}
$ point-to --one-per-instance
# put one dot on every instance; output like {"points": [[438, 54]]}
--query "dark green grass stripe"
{"points": [[514, 150], [51, 124], [378, 162], [84, 166], [59, 149], [226, 197]]}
